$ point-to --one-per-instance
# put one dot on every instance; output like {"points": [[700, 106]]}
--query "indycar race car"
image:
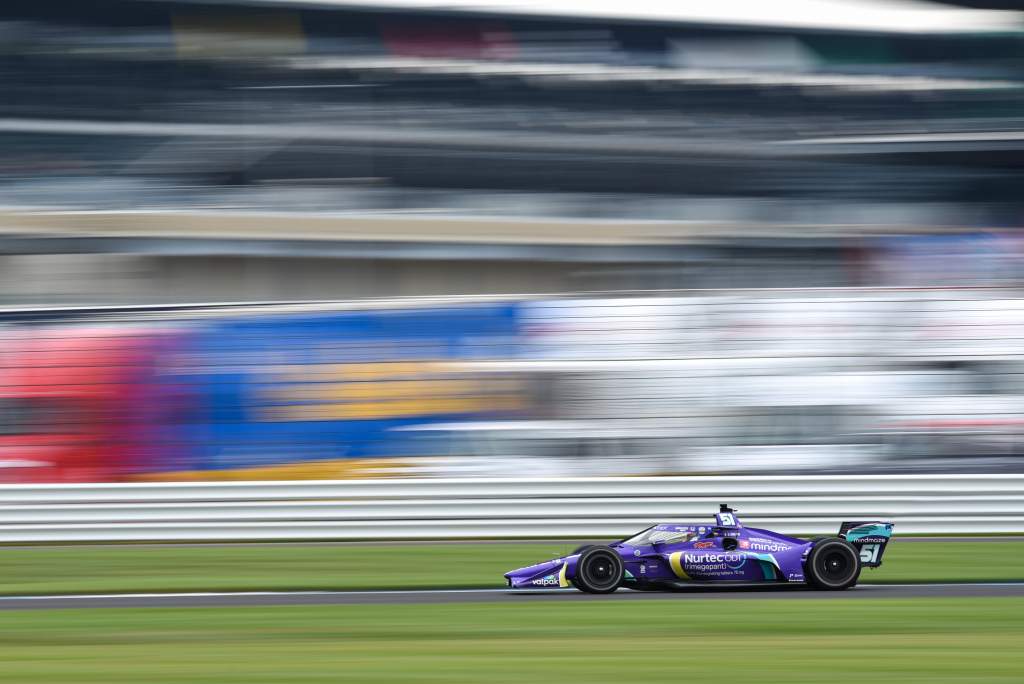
{"points": [[667, 555]]}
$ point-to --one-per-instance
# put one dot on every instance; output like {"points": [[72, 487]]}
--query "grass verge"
{"points": [[835, 640], [110, 569]]}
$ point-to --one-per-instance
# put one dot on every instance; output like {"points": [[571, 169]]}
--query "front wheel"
{"points": [[832, 564], [599, 571]]}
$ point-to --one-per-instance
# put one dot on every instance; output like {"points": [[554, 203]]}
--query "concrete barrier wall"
{"points": [[505, 508]]}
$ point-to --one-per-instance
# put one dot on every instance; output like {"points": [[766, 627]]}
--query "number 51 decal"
{"points": [[869, 553]]}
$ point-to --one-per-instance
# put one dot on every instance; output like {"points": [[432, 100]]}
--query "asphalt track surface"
{"points": [[507, 596]]}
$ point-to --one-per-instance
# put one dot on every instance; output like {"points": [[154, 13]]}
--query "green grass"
{"points": [[104, 569], [838, 640]]}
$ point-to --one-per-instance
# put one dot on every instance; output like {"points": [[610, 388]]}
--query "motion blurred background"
{"points": [[276, 239]]}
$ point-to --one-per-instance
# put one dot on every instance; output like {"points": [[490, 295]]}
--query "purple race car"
{"points": [[667, 555]]}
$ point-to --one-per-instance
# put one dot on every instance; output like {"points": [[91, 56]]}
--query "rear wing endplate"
{"points": [[870, 537]]}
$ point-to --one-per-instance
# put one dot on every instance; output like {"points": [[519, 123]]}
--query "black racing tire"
{"points": [[833, 564], [581, 549], [599, 571]]}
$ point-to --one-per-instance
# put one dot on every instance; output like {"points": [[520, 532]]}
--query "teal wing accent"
{"points": [[869, 530], [769, 566]]}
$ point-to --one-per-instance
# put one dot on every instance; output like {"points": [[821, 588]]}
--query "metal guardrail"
{"points": [[507, 508]]}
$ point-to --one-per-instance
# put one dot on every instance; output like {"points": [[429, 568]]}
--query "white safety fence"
{"points": [[501, 508]]}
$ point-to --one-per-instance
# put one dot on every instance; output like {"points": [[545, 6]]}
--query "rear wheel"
{"points": [[832, 564], [599, 571]]}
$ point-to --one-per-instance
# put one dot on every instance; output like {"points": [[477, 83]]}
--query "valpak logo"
{"points": [[548, 581]]}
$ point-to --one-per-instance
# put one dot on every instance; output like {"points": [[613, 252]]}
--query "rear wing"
{"points": [[870, 538]]}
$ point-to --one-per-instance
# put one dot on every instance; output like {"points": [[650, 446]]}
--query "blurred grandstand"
{"points": [[152, 151], [790, 231]]}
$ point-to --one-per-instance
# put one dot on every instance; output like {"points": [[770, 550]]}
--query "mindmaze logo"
{"points": [[763, 545], [872, 540]]}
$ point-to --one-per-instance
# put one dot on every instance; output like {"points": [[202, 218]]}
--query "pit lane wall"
{"points": [[500, 508]]}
